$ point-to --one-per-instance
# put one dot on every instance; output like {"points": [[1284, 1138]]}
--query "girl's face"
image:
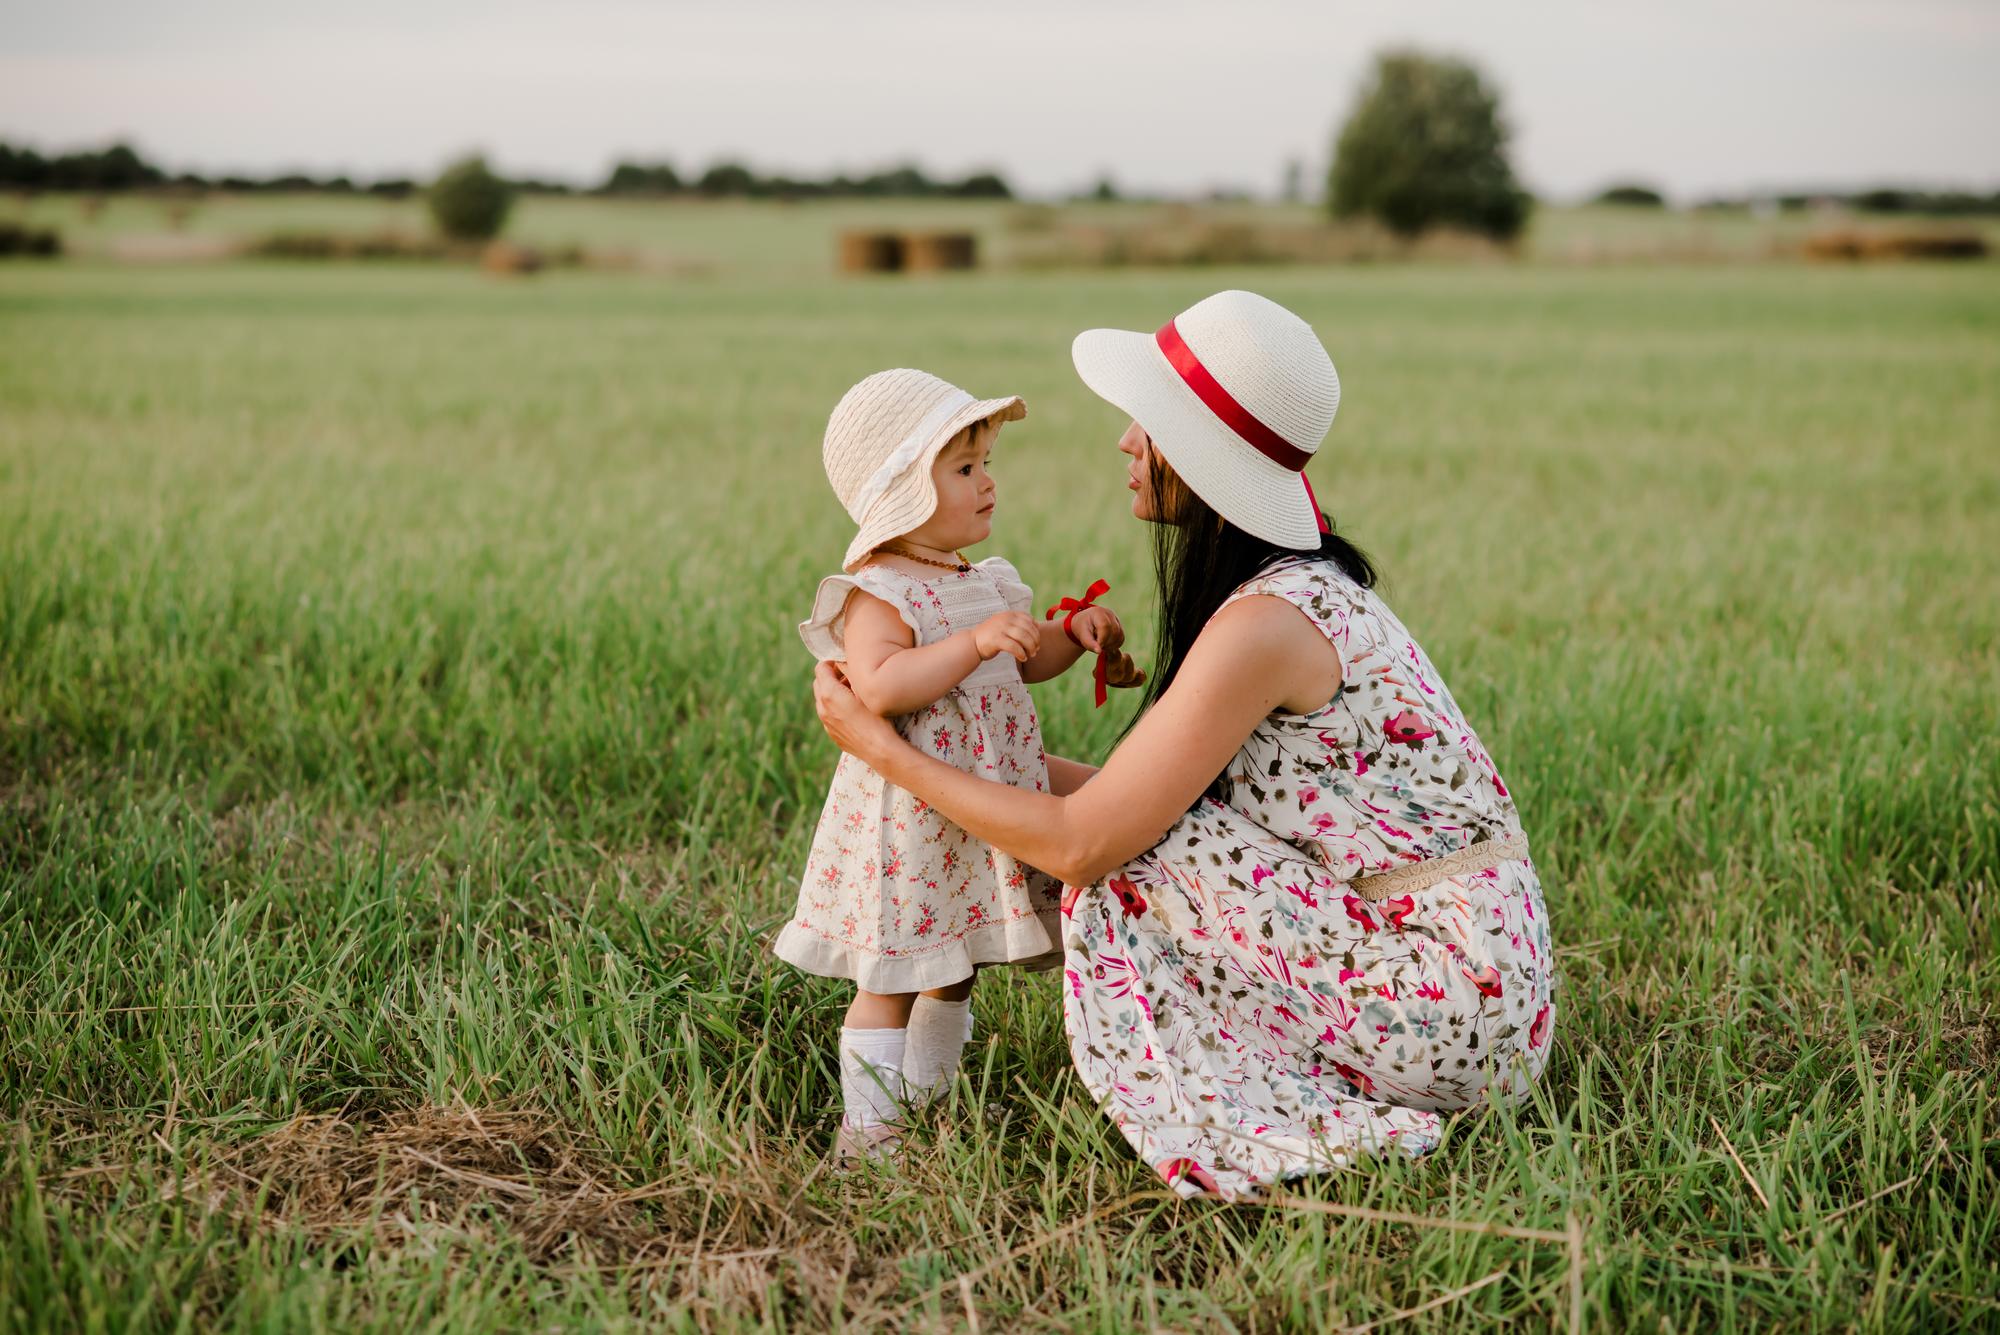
{"points": [[1142, 474], [965, 492]]}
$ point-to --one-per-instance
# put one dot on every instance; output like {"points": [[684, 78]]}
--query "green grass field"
{"points": [[402, 725]]}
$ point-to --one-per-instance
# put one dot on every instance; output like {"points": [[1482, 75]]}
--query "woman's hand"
{"points": [[854, 727]]}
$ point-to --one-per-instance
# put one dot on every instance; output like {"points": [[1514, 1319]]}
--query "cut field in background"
{"points": [[747, 241]]}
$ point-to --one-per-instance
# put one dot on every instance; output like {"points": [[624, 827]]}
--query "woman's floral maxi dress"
{"points": [[1241, 1016], [894, 896]]}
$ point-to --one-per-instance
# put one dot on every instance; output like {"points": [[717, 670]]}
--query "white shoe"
{"points": [[880, 1143]]}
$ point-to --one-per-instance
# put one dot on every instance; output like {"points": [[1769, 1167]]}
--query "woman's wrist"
{"points": [[891, 757]]}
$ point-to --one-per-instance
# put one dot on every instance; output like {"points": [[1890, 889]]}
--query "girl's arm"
{"points": [[1066, 776], [1097, 630], [1255, 656], [893, 677], [1056, 656]]}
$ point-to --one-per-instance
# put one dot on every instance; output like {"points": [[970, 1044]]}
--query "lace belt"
{"points": [[1415, 876]]}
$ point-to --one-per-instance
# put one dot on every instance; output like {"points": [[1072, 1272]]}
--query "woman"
{"points": [[1301, 920]]}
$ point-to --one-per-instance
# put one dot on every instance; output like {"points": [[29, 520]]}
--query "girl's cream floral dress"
{"points": [[895, 896], [1241, 1015]]}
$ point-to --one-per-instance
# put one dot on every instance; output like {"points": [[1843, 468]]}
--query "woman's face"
{"points": [[1140, 473]]}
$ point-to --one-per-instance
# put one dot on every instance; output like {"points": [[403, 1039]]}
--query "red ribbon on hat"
{"points": [[1098, 588], [1233, 414]]}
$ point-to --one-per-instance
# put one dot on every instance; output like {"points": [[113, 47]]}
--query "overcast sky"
{"points": [[1697, 96]]}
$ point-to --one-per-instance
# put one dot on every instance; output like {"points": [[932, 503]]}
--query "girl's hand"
{"points": [[1120, 671], [1007, 633], [1097, 629], [854, 727]]}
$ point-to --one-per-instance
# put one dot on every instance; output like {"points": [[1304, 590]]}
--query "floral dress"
{"points": [[1241, 1015], [895, 896]]}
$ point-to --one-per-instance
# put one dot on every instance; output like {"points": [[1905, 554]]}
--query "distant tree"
{"points": [[639, 178], [983, 185], [118, 167], [22, 168], [1632, 195], [1425, 146], [393, 187], [1884, 201], [907, 181], [726, 178], [469, 202], [1105, 191]]}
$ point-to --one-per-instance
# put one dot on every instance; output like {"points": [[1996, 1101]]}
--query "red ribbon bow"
{"points": [[1098, 588]]}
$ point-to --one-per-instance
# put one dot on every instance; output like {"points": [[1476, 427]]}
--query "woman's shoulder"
{"points": [[1329, 597], [1304, 579]]}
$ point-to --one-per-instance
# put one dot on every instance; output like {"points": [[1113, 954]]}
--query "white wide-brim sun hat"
{"points": [[1237, 393], [880, 443]]}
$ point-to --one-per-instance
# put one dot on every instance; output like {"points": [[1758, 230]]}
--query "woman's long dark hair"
{"points": [[1200, 558]]}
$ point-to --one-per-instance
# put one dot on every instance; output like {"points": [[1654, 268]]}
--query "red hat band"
{"points": [[1233, 414]]}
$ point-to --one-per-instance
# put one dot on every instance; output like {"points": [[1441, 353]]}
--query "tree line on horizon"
{"points": [[121, 167], [1424, 145]]}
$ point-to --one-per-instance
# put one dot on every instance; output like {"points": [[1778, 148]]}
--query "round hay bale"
{"points": [[506, 258], [1894, 244], [930, 252], [1835, 246], [871, 252]]}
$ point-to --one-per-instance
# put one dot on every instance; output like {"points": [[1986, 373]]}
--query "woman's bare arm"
{"points": [[1256, 655]]}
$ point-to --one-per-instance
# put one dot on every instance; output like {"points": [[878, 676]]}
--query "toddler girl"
{"points": [[895, 897]]}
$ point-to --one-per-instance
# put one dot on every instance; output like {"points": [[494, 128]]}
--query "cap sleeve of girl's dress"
{"points": [[825, 631], [1014, 591]]}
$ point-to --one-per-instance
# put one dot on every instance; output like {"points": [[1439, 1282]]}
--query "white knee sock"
{"points": [[872, 1089], [939, 1031]]}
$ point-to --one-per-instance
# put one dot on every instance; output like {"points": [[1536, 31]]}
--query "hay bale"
{"points": [[1939, 246], [505, 258], [1907, 244], [34, 242], [1832, 246], [872, 252], [932, 252]]}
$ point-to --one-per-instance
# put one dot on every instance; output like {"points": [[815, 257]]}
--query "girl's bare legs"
{"points": [[880, 1010]]}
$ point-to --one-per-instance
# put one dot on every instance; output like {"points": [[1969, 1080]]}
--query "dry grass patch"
{"points": [[374, 1186], [398, 1177]]}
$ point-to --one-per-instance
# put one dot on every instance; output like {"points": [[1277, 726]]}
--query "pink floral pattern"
{"points": [[894, 896], [1241, 1015]]}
